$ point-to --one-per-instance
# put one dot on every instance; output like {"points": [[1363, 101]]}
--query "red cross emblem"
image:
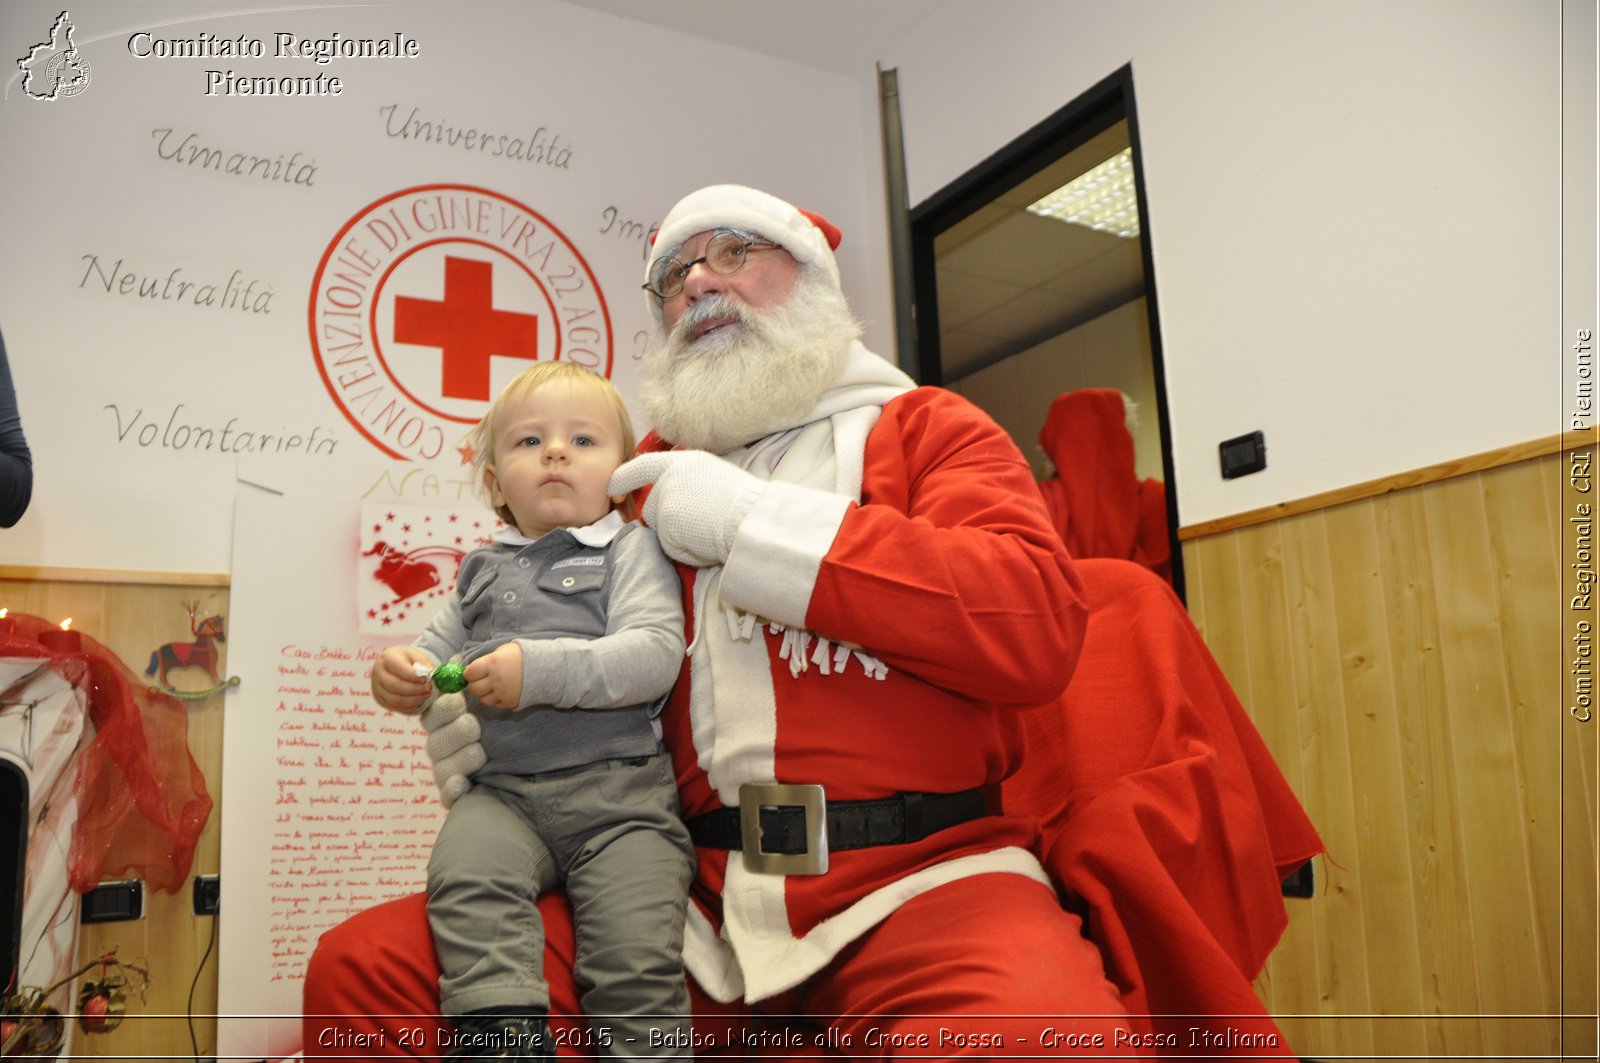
{"points": [[467, 328], [429, 300]]}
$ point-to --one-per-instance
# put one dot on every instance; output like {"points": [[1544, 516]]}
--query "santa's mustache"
{"points": [[711, 308]]}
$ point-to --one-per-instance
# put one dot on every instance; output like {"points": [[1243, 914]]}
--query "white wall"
{"points": [[648, 114], [1354, 218], [116, 387], [1354, 212]]}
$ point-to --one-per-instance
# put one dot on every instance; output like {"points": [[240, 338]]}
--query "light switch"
{"points": [[1243, 455]]}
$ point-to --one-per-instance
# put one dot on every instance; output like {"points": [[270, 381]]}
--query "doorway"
{"points": [[1020, 300]]}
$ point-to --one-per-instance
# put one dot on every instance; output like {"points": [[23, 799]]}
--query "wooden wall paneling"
{"points": [[1523, 540], [1337, 917], [1218, 609], [1297, 985], [1448, 955], [1216, 604], [83, 603], [1399, 654], [132, 620], [1579, 935], [1211, 568], [1580, 752], [1288, 983], [1382, 852], [1489, 795], [178, 940]]}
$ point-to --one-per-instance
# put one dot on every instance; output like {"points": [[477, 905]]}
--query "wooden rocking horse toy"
{"points": [[201, 653]]}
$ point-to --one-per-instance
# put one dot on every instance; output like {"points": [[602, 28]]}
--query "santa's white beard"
{"points": [[740, 383]]}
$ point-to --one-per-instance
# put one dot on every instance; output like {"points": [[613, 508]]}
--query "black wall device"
{"points": [[1243, 455], [13, 863], [113, 901]]}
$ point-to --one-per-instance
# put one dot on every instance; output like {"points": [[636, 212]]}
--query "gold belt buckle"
{"points": [[753, 797]]}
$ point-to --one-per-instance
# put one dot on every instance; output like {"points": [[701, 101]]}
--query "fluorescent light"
{"points": [[1102, 199]]}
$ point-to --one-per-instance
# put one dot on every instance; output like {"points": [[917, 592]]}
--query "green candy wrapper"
{"points": [[450, 677]]}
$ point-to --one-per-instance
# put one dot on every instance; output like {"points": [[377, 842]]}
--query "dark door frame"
{"points": [[1093, 112]]}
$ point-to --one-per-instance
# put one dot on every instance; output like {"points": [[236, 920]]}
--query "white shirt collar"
{"points": [[598, 534]]}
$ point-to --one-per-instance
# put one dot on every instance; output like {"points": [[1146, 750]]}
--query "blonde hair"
{"points": [[520, 387]]}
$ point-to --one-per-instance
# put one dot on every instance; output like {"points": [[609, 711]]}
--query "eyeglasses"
{"points": [[725, 254]]}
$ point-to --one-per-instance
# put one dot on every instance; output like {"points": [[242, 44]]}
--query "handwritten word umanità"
{"points": [[291, 170], [540, 146], [236, 293], [227, 438]]}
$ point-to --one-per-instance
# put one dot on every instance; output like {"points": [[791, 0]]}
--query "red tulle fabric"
{"points": [[142, 800]]}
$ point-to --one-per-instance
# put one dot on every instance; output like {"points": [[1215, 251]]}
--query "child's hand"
{"points": [[496, 678], [395, 683]]}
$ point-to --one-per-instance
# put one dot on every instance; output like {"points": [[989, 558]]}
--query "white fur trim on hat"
{"points": [[738, 207]]}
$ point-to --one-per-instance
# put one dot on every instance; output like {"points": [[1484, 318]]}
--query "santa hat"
{"points": [[809, 237]]}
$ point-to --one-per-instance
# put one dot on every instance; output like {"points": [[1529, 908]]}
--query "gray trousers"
{"points": [[612, 834]]}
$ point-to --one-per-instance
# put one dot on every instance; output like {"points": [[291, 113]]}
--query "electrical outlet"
{"points": [[110, 902], [1243, 455], [207, 894], [1299, 882]]}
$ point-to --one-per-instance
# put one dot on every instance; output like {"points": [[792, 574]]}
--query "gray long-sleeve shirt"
{"points": [[598, 613]]}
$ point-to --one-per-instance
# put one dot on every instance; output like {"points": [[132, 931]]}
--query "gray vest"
{"points": [[554, 587]]}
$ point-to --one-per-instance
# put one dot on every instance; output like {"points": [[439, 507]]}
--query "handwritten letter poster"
{"points": [[353, 806]]}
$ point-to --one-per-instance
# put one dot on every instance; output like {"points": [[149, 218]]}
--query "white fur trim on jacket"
{"points": [[758, 955], [818, 462]]}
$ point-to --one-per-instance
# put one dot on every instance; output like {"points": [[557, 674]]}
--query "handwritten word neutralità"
{"points": [[236, 293]]}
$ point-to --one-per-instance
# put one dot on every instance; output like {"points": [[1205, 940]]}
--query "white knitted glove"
{"points": [[698, 502], [453, 744]]}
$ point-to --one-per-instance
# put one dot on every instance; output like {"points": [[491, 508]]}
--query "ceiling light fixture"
{"points": [[1102, 199]]}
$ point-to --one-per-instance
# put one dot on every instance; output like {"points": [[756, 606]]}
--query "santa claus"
{"points": [[875, 594]]}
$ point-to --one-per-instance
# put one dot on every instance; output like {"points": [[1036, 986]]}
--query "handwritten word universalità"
{"points": [[250, 296], [541, 147], [227, 437], [190, 152]]}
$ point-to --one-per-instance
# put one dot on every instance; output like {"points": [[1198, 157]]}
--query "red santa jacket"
{"points": [[947, 572]]}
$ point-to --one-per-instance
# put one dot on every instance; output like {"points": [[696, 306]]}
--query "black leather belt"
{"points": [[788, 829]]}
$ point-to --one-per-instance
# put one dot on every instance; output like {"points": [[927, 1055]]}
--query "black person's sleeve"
{"points": [[16, 462]]}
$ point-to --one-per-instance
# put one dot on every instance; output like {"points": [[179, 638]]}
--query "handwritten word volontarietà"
{"points": [[217, 436]]}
